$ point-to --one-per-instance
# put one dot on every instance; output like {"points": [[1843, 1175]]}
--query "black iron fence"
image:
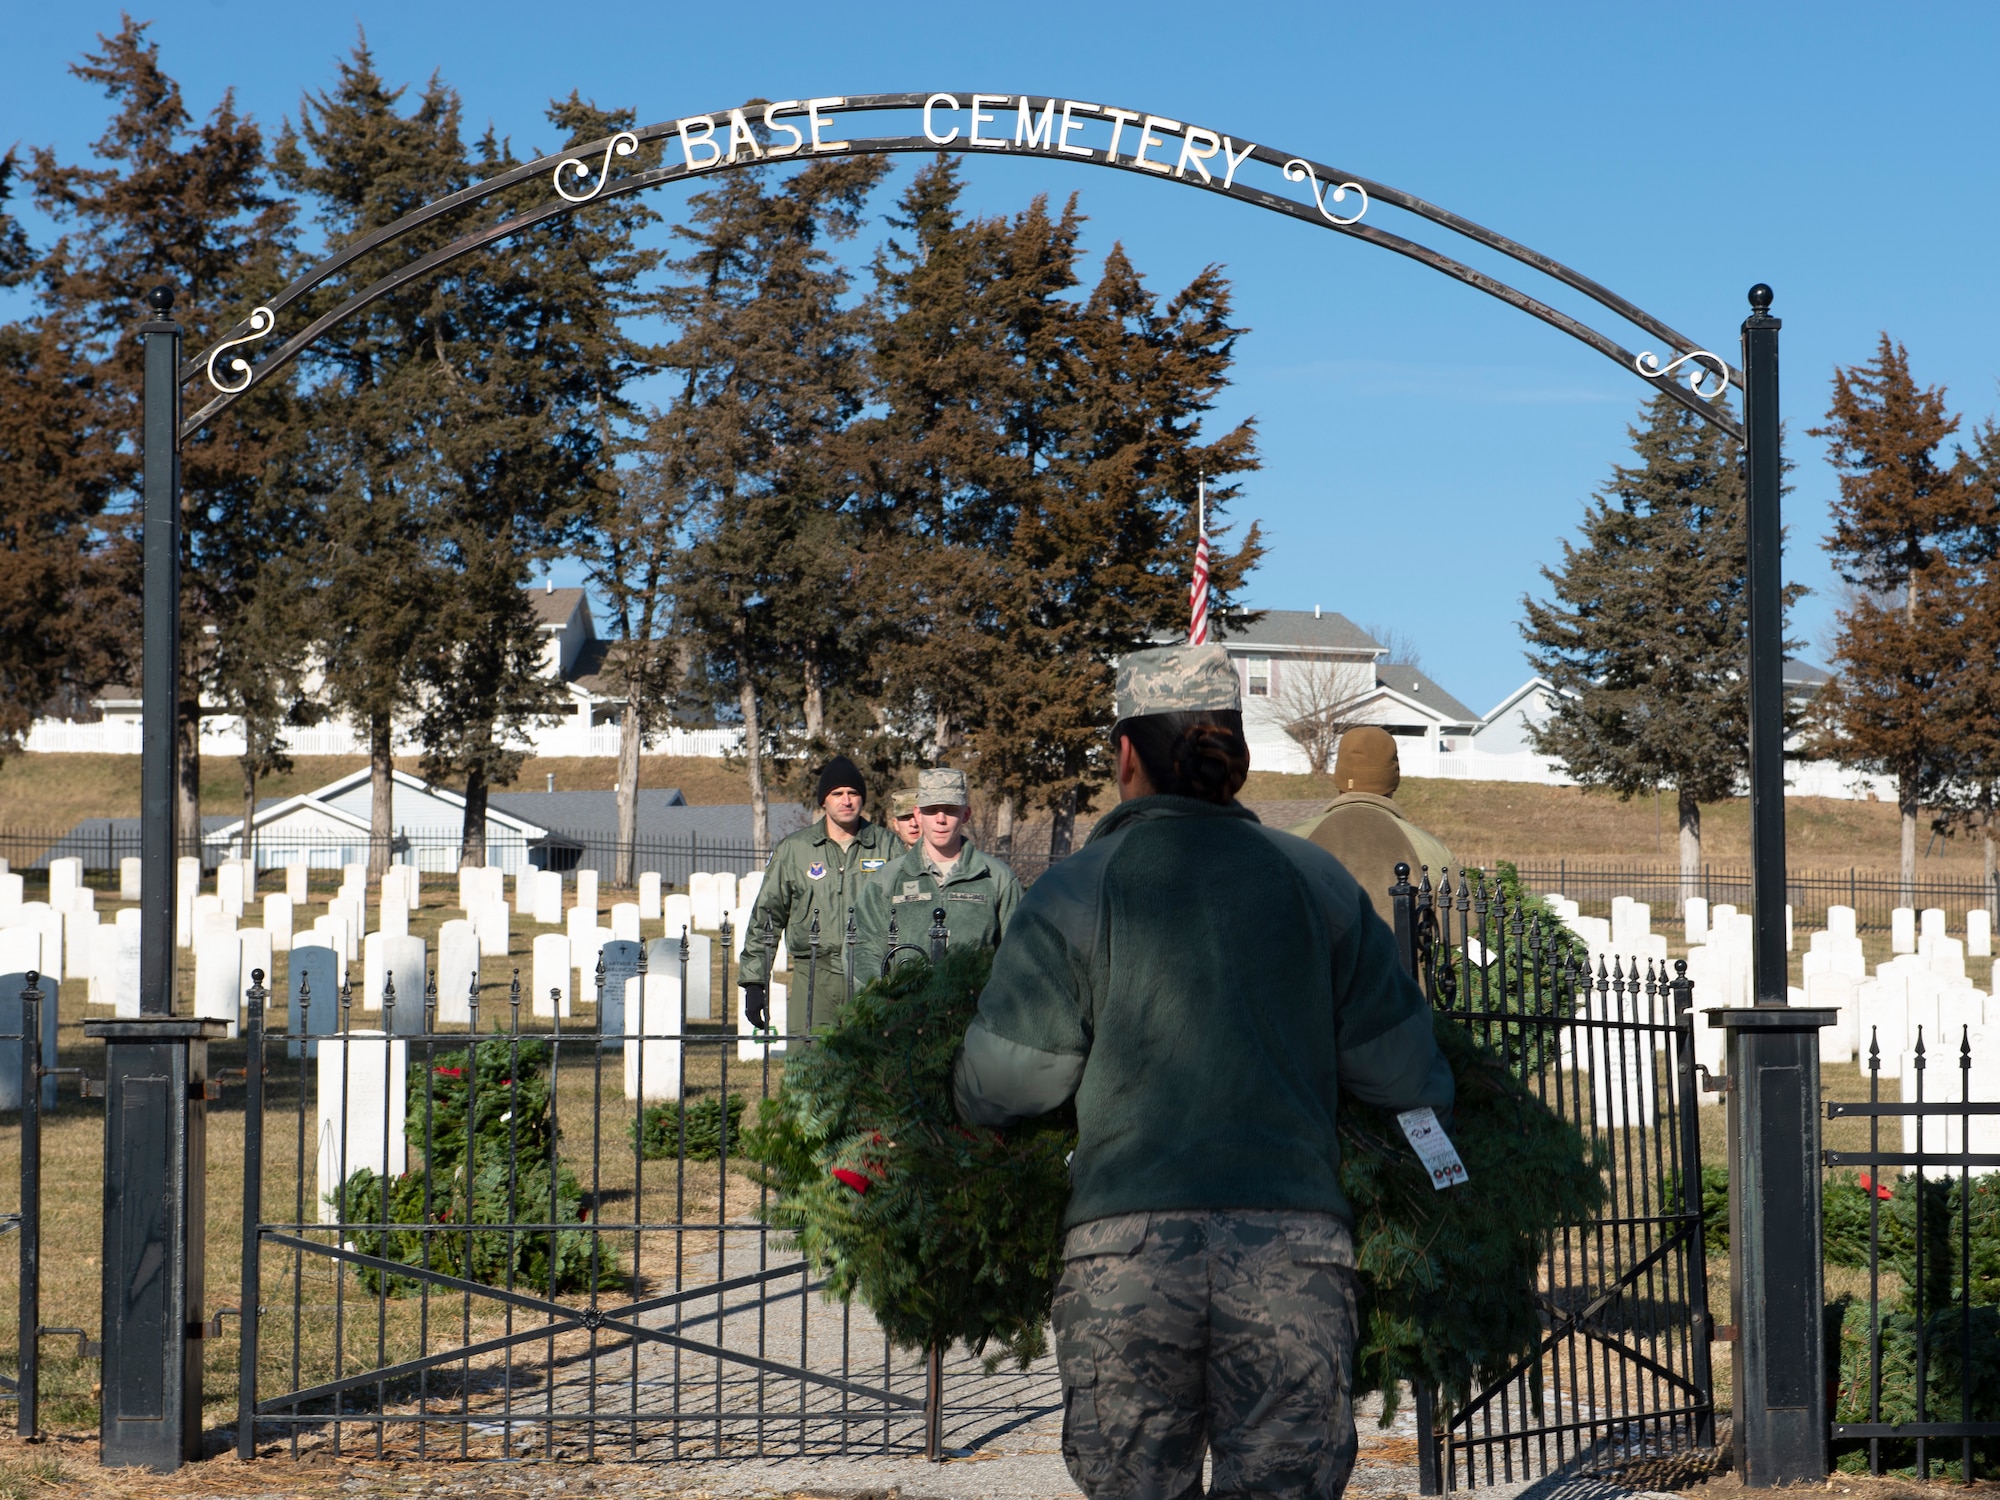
{"points": [[1916, 1384], [494, 1231], [1872, 894], [1622, 1375]]}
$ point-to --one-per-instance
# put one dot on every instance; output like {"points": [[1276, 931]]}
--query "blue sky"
{"points": [[1425, 448]]}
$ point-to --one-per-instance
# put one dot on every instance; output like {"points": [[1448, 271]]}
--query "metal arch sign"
{"points": [[1063, 129]]}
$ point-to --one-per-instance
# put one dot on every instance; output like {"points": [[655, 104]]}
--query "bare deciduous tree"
{"points": [[1317, 702]]}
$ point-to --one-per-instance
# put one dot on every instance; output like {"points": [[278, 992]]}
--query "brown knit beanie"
{"points": [[1367, 762]]}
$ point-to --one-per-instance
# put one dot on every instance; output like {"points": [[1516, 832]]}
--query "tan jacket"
{"points": [[1370, 836]]}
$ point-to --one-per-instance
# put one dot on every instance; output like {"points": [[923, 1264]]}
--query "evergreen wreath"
{"points": [[953, 1233]]}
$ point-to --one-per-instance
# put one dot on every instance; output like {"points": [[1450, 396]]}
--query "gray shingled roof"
{"points": [[1299, 629], [554, 606], [1412, 683]]}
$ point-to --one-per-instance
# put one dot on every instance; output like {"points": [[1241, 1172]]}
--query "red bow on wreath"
{"points": [[850, 1178]]}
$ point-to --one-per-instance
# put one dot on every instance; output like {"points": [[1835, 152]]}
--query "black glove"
{"points": [[757, 1005]]}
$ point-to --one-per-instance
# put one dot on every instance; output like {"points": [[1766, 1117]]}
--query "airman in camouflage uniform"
{"points": [[814, 873], [903, 818], [977, 892], [1204, 988]]}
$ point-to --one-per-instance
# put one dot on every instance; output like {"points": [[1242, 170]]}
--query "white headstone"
{"points": [[413, 886], [527, 890], [298, 875], [355, 873], [725, 892], [48, 923], [363, 1097], [395, 915], [1840, 921], [353, 919], [129, 877], [625, 921], [458, 967], [1978, 933], [749, 888], [706, 900], [548, 898], [677, 913], [1835, 992], [388, 958], [551, 973], [585, 948], [79, 934], [117, 981], [65, 874], [1931, 922], [131, 916], [490, 918], [586, 893], [213, 924], [256, 955], [228, 888], [1788, 927], [218, 975], [649, 895], [279, 912], [334, 930], [1944, 956], [701, 977], [187, 886], [20, 950], [653, 1066], [1902, 930], [12, 893]]}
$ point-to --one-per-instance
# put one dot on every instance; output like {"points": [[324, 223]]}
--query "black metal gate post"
{"points": [[1779, 1415], [155, 1193], [1766, 589], [156, 1067], [1779, 1431], [1423, 1400], [31, 1206]]}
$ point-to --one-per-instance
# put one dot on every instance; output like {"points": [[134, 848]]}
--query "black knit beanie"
{"points": [[837, 773]]}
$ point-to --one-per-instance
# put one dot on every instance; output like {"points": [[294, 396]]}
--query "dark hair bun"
{"points": [[1211, 762]]}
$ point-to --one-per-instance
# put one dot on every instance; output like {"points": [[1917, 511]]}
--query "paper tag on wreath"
{"points": [[1433, 1147]]}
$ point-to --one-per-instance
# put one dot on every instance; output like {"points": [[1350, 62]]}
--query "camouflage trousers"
{"points": [[1228, 1333]]}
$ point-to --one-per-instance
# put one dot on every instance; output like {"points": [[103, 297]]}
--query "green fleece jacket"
{"points": [[1205, 987], [810, 876]]}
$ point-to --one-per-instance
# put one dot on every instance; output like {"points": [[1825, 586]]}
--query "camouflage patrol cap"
{"points": [[941, 786], [1177, 680], [903, 803]]}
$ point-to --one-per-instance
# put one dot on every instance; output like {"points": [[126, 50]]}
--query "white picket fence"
{"points": [[223, 737]]}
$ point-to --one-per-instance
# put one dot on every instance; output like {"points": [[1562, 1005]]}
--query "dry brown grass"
{"points": [[52, 792]]}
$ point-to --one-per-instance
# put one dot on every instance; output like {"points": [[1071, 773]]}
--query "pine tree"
{"points": [[1027, 484], [64, 621], [768, 357], [190, 207], [1646, 641], [380, 396], [1900, 525]]}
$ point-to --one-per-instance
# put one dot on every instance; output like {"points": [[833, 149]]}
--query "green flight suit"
{"points": [[978, 897], [810, 876]]}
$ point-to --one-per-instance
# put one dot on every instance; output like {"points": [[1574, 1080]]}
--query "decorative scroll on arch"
{"points": [[1182, 152]]}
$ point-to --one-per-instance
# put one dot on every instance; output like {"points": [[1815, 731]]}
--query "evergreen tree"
{"points": [[380, 398], [1028, 483], [627, 527], [1646, 641], [64, 621], [190, 207], [1901, 524], [769, 359]]}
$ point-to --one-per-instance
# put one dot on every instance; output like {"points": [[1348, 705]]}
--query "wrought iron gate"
{"points": [[591, 1277], [1622, 1373]]}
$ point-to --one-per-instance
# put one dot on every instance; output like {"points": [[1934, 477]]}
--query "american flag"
{"points": [[1198, 590]]}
